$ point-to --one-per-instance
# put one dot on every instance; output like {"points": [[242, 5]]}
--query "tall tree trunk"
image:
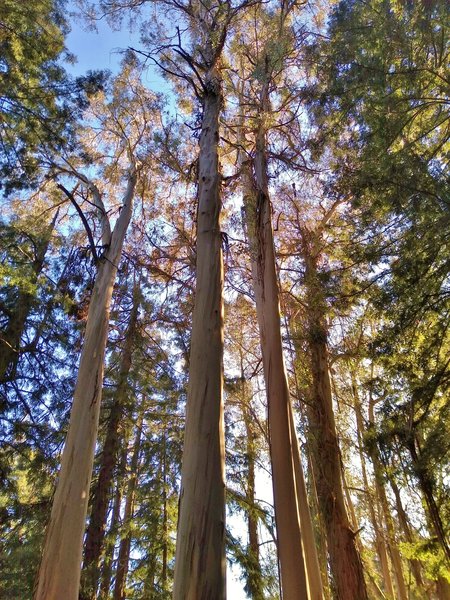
{"points": [[11, 337], [200, 565], [380, 544], [314, 576], [282, 436], [254, 576], [106, 575], [319, 531], [97, 524], [405, 526], [345, 562], [165, 530], [381, 493], [59, 573], [427, 493], [125, 542]]}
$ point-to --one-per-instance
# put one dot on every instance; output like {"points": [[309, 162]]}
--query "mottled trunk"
{"points": [[345, 562], [106, 575], [380, 544], [125, 542], [97, 525], [59, 573], [11, 337], [282, 435], [200, 565]]}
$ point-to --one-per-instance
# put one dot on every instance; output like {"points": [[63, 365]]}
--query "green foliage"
{"points": [[39, 102], [431, 557]]}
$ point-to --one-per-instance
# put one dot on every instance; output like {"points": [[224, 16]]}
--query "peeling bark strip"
{"points": [[200, 554], [59, 573]]}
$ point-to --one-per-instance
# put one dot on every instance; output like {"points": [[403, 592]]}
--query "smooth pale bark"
{"points": [[282, 436], [59, 573], [314, 576], [200, 565], [11, 336], [345, 562], [125, 542], [97, 525]]}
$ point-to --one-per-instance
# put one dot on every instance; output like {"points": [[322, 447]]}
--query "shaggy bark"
{"points": [[345, 562]]}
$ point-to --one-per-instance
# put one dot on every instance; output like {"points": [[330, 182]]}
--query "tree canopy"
{"points": [[224, 309]]}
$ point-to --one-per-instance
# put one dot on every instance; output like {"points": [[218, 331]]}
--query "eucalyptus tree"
{"points": [[195, 59], [123, 135], [114, 434], [264, 61], [248, 451]]}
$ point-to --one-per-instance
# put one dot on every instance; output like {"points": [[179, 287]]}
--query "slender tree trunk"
{"points": [[320, 533], [97, 524], [59, 573], [380, 544], [11, 337], [427, 493], [106, 575], [200, 554], [165, 513], [345, 562], [125, 542], [309, 540], [281, 433], [149, 584], [254, 576], [372, 585], [381, 493], [405, 525]]}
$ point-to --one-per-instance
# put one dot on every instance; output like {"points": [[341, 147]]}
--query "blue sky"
{"points": [[101, 49]]}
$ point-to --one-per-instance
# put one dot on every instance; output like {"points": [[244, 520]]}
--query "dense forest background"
{"points": [[224, 309]]}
